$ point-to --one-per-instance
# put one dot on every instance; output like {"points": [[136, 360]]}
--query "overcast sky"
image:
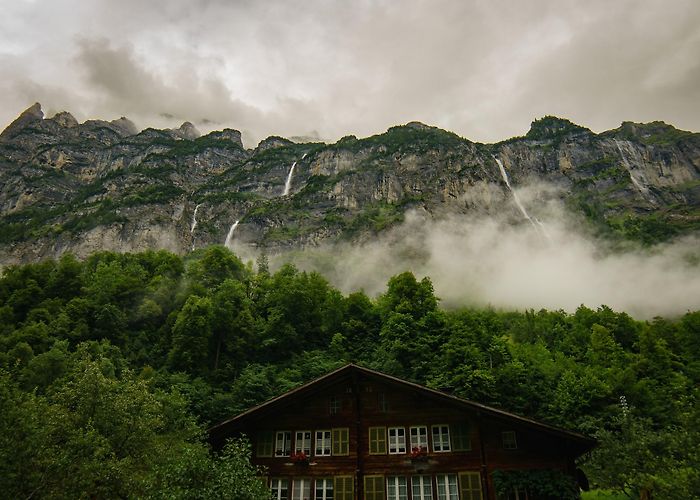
{"points": [[481, 68]]}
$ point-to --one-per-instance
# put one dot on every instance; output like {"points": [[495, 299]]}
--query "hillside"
{"points": [[98, 185]]}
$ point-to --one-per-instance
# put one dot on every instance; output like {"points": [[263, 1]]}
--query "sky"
{"points": [[323, 68]]}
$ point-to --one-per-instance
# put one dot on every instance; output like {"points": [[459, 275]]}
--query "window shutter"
{"points": [[340, 441], [470, 484]]}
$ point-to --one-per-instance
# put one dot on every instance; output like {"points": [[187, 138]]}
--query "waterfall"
{"points": [[288, 182], [641, 188], [194, 223], [194, 219], [504, 175], [229, 236]]}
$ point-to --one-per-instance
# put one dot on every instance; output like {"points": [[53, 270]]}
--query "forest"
{"points": [[113, 367]]}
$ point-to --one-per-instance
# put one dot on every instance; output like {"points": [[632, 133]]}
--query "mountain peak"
{"points": [[30, 115], [552, 127], [187, 131]]}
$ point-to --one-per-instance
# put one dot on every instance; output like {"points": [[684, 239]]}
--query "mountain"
{"points": [[80, 187]]}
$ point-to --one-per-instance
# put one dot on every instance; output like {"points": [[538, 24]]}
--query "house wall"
{"points": [[370, 403]]}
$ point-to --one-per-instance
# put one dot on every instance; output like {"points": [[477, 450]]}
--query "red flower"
{"points": [[300, 458], [418, 452]]}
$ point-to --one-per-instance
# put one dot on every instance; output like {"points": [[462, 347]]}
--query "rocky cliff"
{"points": [[80, 187]]}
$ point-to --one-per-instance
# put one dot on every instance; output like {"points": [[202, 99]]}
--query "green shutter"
{"points": [[377, 440], [265, 444], [374, 487], [461, 438], [470, 485], [343, 488], [340, 441]]}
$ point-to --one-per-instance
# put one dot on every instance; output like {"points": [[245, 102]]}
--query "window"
{"points": [[374, 487], [344, 488], [441, 438], [419, 437], [377, 440], [396, 488], [279, 488], [335, 405], [470, 485], [461, 437], [264, 444], [397, 440], [421, 488], [324, 489], [447, 487], [509, 441], [323, 443], [302, 489], [302, 442], [382, 403], [341, 441], [283, 443]]}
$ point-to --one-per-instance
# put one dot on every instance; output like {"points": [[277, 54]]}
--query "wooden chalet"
{"points": [[357, 433]]}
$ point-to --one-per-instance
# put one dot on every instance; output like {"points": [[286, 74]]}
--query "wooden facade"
{"points": [[360, 434]]}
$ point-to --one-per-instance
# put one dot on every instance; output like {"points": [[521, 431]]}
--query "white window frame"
{"points": [[323, 438], [442, 443], [393, 488], [425, 487], [444, 481], [283, 443], [509, 440], [301, 489], [323, 487], [416, 438], [397, 440], [302, 443], [279, 488]]}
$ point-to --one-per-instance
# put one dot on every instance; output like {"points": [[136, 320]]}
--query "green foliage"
{"points": [[108, 363], [542, 483]]}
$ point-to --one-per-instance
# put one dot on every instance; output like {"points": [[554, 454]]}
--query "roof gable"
{"points": [[355, 373]]}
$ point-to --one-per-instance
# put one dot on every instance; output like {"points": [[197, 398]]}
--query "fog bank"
{"points": [[486, 261]]}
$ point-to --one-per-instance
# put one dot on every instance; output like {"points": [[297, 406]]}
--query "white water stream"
{"points": [[194, 219], [641, 188], [504, 175], [229, 236], [288, 182]]}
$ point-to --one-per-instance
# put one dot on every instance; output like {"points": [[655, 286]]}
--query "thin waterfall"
{"points": [[504, 175], [194, 223], [641, 188], [288, 182], [229, 236], [194, 219]]}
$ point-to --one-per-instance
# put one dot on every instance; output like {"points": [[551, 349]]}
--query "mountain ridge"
{"points": [[70, 187]]}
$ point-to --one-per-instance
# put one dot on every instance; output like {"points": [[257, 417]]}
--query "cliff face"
{"points": [[70, 187]]}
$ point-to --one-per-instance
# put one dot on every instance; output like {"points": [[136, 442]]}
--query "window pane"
{"points": [[283, 443], [419, 437], [421, 488]]}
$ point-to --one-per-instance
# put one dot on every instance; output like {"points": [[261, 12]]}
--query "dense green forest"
{"points": [[113, 367]]}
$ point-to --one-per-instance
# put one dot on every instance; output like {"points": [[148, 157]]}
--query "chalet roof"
{"points": [[351, 370]]}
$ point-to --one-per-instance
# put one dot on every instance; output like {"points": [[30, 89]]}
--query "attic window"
{"points": [[382, 403], [335, 405], [509, 441]]}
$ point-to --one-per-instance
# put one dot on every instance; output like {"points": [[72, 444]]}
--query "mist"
{"points": [[487, 260]]}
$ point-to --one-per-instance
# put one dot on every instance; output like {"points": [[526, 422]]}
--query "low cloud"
{"points": [[488, 261]]}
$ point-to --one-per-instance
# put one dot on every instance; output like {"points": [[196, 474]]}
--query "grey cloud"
{"points": [[483, 69]]}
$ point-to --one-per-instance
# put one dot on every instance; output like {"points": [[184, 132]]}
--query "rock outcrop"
{"points": [[69, 187]]}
